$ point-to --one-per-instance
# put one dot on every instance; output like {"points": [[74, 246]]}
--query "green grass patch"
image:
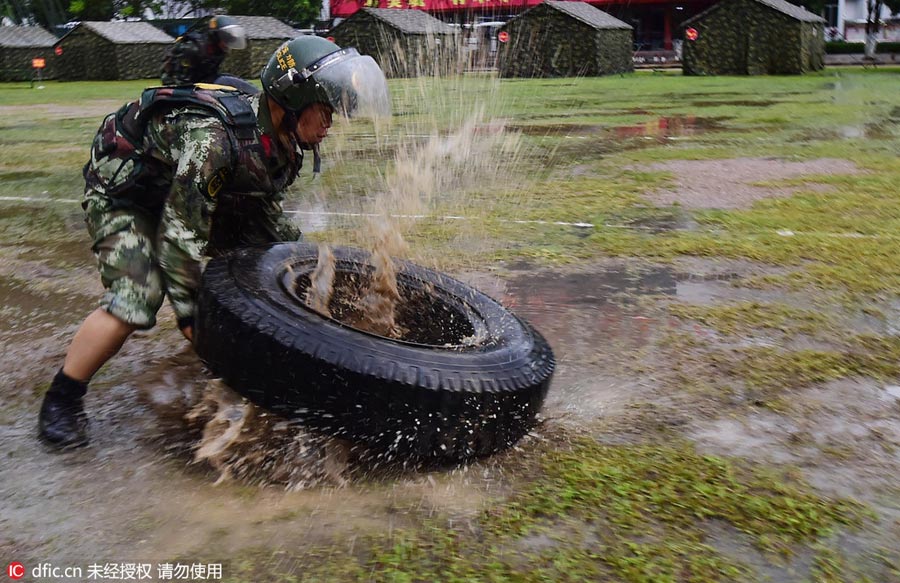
{"points": [[594, 173], [744, 317], [635, 514], [772, 371]]}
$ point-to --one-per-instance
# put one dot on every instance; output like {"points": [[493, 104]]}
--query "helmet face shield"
{"points": [[354, 85], [233, 36]]}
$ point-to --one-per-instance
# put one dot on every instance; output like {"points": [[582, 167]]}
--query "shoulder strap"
{"points": [[230, 105]]}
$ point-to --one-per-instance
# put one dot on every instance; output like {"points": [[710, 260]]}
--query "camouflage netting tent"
{"points": [[264, 35], [405, 42], [753, 37], [19, 45], [565, 39], [106, 51]]}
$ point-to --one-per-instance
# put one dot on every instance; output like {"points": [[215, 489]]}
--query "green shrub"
{"points": [[891, 47], [845, 48]]}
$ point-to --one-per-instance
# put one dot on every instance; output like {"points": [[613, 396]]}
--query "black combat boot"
{"points": [[62, 421]]}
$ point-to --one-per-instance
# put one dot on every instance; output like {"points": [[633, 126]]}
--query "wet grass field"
{"points": [[714, 261]]}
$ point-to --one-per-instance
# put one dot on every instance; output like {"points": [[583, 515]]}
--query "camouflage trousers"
{"points": [[138, 264]]}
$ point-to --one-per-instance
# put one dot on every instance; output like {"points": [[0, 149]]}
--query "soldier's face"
{"points": [[313, 123]]}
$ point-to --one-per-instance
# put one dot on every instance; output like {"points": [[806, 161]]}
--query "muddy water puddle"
{"points": [[598, 321], [24, 309], [735, 102], [869, 131], [138, 485], [853, 423], [844, 436], [661, 127], [141, 492]]}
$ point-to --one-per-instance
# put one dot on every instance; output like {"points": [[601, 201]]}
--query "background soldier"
{"points": [[205, 173], [196, 56]]}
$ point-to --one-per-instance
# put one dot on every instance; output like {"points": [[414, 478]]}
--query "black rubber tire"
{"points": [[425, 400]]}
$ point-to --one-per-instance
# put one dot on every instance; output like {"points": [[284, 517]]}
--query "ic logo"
{"points": [[15, 570]]}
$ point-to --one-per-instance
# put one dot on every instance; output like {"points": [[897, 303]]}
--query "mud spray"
{"points": [[450, 151], [242, 441]]}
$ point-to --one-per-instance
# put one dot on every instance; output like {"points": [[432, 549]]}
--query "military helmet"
{"points": [[228, 32], [310, 69]]}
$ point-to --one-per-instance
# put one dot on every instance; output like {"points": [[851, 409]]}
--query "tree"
{"points": [[109, 9], [46, 13], [294, 12], [92, 9], [814, 6]]}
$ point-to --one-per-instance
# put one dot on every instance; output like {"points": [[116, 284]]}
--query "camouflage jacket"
{"points": [[191, 59], [225, 186]]}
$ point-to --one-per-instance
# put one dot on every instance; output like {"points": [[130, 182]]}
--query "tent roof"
{"points": [[410, 21], [126, 32], [792, 10], [265, 27], [590, 15], [25, 37]]}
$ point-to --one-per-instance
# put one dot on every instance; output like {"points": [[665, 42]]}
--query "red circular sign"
{"points": [[691, 34], [15, 570], [329, 38], [58, 50], [503, 36]]}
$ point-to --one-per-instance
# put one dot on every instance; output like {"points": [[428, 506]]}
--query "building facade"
{"points": [[23, 47], [565, 39], [406, 43], [655, 23], [753, 37], [102, 51]]}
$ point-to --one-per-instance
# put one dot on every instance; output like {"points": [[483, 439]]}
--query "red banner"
{"points": [[344, 8]]}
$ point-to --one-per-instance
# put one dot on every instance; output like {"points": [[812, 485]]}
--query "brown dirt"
{"points": [[731, 183]]}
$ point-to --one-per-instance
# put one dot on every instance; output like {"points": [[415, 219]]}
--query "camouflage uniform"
{"points": [[150, 240], [193, 58]]}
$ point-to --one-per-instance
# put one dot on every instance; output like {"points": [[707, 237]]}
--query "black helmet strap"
{"points": [[317, 159], [290, 122]]}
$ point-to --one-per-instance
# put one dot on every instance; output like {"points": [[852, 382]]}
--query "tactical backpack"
{"points": [[119, 165]]}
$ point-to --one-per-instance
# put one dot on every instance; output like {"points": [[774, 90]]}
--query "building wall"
{"points": [[139, 61], [87, 56], [249, 62], [719, 49], [397, 53], [370, 37], [774, 41], [743, 37], [15, 63], [614, 52], [548, 43], [813, 46], [415, 55]]}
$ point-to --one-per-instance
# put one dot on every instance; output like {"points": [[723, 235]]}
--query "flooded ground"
{"points": [[138, 492], [736, 183], [136, 487]]}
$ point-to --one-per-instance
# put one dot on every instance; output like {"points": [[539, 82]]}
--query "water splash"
{"points": [[322, 282], [447, 149], [244, 442], [379, 302]]}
